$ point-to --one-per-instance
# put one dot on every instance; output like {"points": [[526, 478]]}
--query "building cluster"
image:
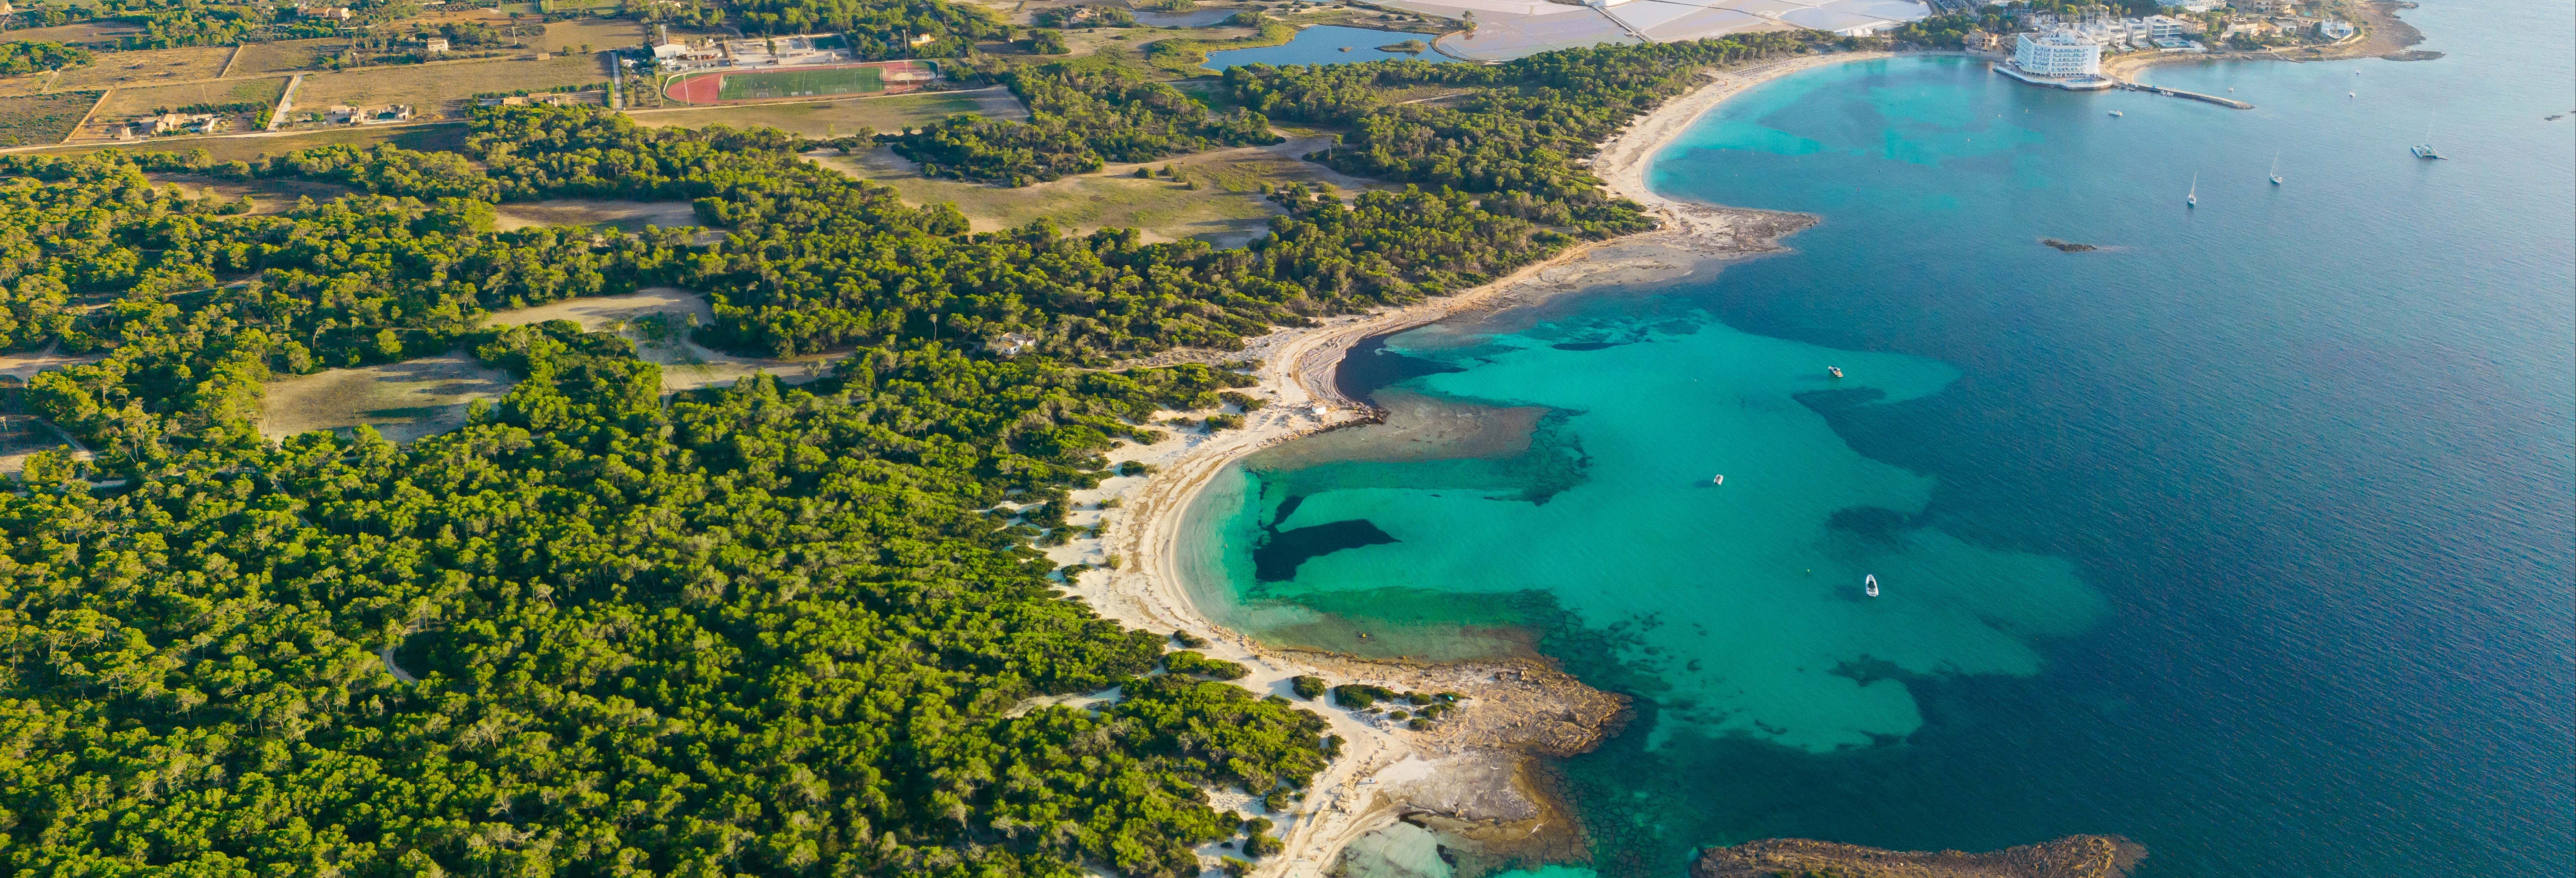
{"points": [[169, 123], [343, 114], [334, 13]]}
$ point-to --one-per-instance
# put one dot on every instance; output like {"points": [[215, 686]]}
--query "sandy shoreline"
{"points": [[1469, 768]]}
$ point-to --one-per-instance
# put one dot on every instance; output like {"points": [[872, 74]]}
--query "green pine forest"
{"points": [[761, 630]]}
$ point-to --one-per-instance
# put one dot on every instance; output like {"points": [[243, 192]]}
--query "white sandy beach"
{"points": [[1514, 709]]}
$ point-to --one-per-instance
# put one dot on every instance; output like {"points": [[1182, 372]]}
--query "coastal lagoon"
{"points": [[1328, 44], [2245, 535]]}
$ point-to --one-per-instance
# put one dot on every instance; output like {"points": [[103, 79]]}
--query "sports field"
{"points": [[800, 82]]}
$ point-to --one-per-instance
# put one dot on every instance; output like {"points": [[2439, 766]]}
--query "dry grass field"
{"points": [[439, 89], [628, 216], [600, 34], [834, 118], [151, 99], [84, 32], [404, 401], [426, 138], [283, 56], [266, 196], [42, 118], [658, 322], [30, 84], [146, 67], [1227, 209]]}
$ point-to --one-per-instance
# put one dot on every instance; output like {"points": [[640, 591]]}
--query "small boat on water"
{"points": [[1720, 480], [2115, 114], [1836, 371], [2192, 198], [1869, 584], [2425, 150], [2276, 169]]}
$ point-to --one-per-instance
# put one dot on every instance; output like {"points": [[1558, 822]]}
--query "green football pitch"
{"points": [[801, 83]]}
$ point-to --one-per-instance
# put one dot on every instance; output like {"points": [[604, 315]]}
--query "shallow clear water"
{"points": [[1323, 44], [2247, 536]]}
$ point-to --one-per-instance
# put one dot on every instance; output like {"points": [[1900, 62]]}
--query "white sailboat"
{"points": [[1869, 584], [2192, 198], [2276, 169]]}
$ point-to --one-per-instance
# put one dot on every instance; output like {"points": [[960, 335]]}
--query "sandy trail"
{"points": [[1513, 708]]}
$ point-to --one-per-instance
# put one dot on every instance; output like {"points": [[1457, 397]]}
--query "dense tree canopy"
{"points": [[758, 630]]}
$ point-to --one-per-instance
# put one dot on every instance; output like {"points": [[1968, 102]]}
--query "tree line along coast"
{"points": [[759, 629]]}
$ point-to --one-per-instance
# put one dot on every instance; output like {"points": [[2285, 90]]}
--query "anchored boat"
{"points": [[1869, 584]]}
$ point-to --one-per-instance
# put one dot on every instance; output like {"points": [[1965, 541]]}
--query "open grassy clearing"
{"points": [[266, 196], [30, 84], [146, 67], [24, 365], [153, 99], [426, 138], [658, 322], [835, 118], [47, 118], [629, 216], [81, 32], [600, 34], [404, 401], [439, 89], [22, 436], [1227, 209], [283, 56]]}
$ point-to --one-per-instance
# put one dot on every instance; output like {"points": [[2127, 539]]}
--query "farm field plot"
{"points": [[1226, 210], [426, 138], [626, 216], [83, 32], [33, 83], [266, 196], [125, 103], [404, 401], [282, 56], [600, 34], [439, 89], [147, 67], [835, 118], [42, 118]]}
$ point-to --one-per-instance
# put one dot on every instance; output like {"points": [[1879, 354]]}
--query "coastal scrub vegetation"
{"points": [[750, 630]]}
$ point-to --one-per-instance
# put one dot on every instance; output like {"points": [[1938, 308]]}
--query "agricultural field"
{"points": [[796, 82], [1227, 209], [438, 90], [47, 118], [266, 196], [283, 56], [658, 322], [82, 32], [836, 118], [151, 99], [625, 216], [146, 67], [600, 34], [403, 401], [426, 138]]}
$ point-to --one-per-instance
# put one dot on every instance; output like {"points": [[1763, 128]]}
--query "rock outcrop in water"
{"points": [[2075, 856]]}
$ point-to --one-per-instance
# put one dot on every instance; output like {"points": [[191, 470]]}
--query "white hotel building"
{"points": [[2061, 54]]}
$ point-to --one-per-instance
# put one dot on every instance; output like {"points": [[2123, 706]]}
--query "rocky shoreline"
{"points": [[2075, 856]]}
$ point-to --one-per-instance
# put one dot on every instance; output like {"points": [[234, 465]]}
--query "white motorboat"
{"points": [[1869, 584]]}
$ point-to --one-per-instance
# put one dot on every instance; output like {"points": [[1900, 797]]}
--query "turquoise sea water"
{"points": [[1323, 45], [2248, 536]]}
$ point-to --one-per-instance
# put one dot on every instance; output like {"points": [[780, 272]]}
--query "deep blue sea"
{"points": [[2248, 536]]}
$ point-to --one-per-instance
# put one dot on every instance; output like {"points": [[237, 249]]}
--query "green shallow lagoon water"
{"points": [[1742, 601]]}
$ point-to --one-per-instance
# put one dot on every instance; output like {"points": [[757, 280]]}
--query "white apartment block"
{"points": [[2062, 54]]}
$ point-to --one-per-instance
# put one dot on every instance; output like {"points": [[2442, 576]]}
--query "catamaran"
{"points": [[2192, 198], [2425, 150], [2276, 169], [1869, 584]]}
